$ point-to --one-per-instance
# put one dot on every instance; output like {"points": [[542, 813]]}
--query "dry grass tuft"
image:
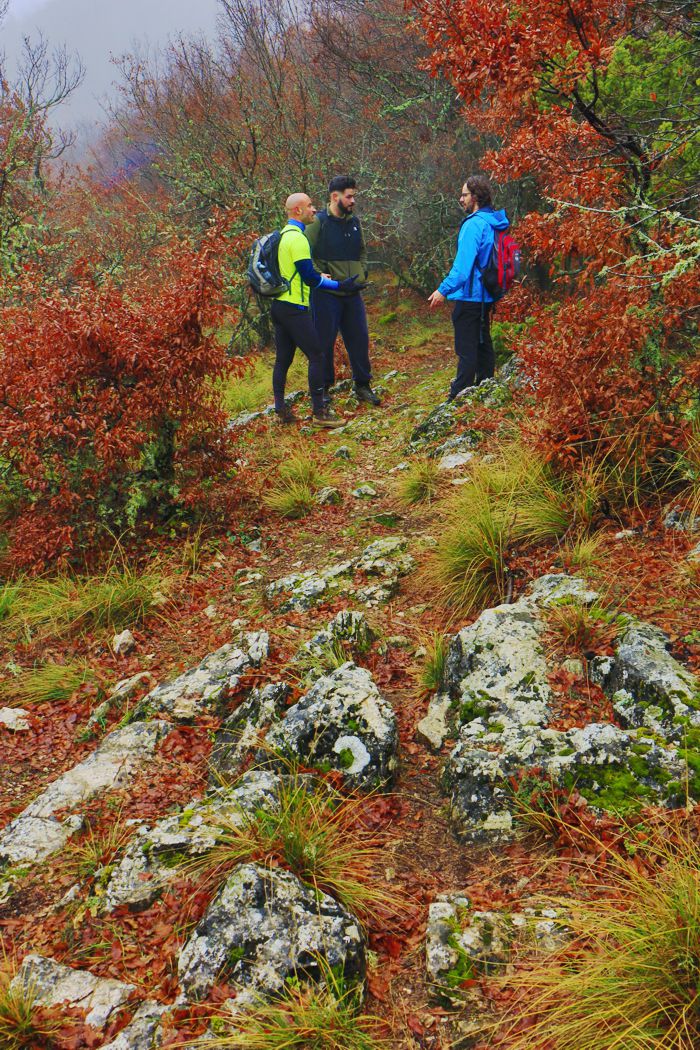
{"points": [[630, 977]]}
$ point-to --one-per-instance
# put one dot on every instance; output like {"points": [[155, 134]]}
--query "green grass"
{"points": [[419, 483], [582, 628], [433, 670], [317, 833], [469, 564], [24, 1023], [583, 552], [300, 466], [514, 499], [329, 658], [304, 1017], [63, 605], [50, 682], [291, 494], [9, 593], [290, 499], [630, 979], [252, 390], [96, 848]]}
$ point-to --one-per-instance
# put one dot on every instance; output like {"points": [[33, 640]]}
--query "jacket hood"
{"points": [[497, 219]]}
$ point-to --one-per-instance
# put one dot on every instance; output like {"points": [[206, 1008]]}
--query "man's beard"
{"points": [[345, 209]]}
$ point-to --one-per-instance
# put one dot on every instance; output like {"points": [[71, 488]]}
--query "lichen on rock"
{"points": [[341, 705], [264, 927], [206, 687], [154, 854]]}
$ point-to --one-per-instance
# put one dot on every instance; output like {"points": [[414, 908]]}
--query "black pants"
{"points": [[473, 346], [344, 314], [294, 328]]}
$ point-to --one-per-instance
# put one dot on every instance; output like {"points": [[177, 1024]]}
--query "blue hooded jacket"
{"points": [[474, 245]]}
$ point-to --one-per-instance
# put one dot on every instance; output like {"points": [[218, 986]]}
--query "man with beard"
{"points": [[473, 304], [338, 248]]}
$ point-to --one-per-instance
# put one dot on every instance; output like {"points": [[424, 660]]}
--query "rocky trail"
{"points": [[287, 665]]}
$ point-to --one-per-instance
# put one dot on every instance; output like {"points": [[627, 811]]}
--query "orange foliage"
{"points": [[91, 380], [607, 361]]}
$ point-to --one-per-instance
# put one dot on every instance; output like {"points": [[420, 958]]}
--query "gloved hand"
{"points": [[350, 284]]}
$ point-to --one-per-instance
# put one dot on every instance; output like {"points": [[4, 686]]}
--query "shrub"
{"points": [[631, 975], [109, 411]]}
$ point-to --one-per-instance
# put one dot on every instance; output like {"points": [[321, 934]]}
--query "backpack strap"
{"points": [[322, 217]]}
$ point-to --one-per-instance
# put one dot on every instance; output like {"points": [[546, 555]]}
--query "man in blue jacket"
{"points": [[471, 316]]}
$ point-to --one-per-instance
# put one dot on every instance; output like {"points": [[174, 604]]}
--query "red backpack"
{"points": [[503, 267]]}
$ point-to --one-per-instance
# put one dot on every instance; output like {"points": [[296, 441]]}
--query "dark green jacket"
{"points": [[338, 247]]}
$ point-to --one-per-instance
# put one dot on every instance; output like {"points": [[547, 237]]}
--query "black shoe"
{"points": [[364, 392], [286, 415]]}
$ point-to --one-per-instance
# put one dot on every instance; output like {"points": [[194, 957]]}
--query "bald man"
{"points": [[291, 315]]}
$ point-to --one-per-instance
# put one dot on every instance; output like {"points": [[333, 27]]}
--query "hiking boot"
{"points": [[364, 392], [286, 415], [328, 419]]}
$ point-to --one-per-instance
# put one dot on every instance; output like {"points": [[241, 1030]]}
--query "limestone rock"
{"points": [[511, 372], [264, 927], [462, 944], [35, 834], [650, 687], [144, 1030], [205, 688], [437, 424], [14, 718], [496, 677], [464, 443], [558, 588], [152, 856], [496, 668], [244, 419], [612, 768], [385, 559], [124, 643], [347, 633], [122, 692], [343, 452], [434, 727], [364, 491], [345, 723], [455, 460], [328, 496], [241, 732], [52, 984], [682, 520]]}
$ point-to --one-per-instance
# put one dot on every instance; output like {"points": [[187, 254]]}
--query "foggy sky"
{"points": [[97, 29]]}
